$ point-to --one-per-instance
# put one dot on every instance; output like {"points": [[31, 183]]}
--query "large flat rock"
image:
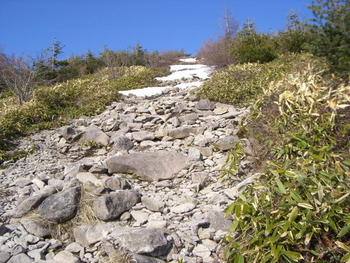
{"points": [[149, 166], [145, 241]]}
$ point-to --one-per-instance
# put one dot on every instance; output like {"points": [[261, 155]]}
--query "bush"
{"points": [[295, 38], [164, 59], [243, 84], [217, 53], [249, 46], [52, 106], [331, 33], [298, 211]]}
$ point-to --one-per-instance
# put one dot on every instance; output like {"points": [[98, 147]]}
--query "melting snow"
{"points": [[188, 60], [145, 92], [178, 73], [195, 84]]}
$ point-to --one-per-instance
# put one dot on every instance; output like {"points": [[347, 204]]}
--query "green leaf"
{"points": [[281, 187], [238, 259], [343, 246], [346, 258], [342, 198], [306, 205], [343, 231], [295, 256], [293, 215]]}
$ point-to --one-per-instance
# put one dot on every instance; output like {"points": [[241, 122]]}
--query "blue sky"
{"points": [[27, 26]]}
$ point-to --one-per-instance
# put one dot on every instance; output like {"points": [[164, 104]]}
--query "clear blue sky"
{"points": [[27, 26]]}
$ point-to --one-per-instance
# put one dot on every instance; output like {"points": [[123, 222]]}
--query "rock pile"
{"points": [[138, 183]]}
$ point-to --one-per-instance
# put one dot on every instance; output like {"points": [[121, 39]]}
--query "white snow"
{"points": [[188, 60], [145, 92], [180, 72], [183, 67], [186, 85], [195, 72]]}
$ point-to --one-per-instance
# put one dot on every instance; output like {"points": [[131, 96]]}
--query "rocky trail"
{"points": [[141, 182]]}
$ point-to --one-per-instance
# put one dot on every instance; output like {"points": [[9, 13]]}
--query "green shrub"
{"points": [[250, 46], [295, 38], [243, 84], [331, 33], [298, 211], [52, 106]]}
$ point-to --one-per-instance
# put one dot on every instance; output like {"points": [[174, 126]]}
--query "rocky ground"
{"points": [[141, 182]]}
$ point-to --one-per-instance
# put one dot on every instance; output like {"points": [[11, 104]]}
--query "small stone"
{"points": [[201, 251], [143, 136], [181, 132], [122, 143], [40, 184], [183, 208], [200, 178], [210, 244], [221, 110], [65, 257], [4, 257], [117, 183], [206, 233], [74, 247], [86, 178], [152, 204], [111, 206], [96, 135], [68, 132], [157, 224], [140, 217], [125, 216], [205, 104], [21, 258], [22, 182], [227, 142], [194, 154], [87, 235]]}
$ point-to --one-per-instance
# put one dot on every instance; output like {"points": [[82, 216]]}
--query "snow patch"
{"points": [[194, 84], [145, 92], [188, 60], [183, 67], [200, 71]]}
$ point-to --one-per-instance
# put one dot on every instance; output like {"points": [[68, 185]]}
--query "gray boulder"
{"points": [[227, 143], [35, 227], [146, 241], [123, 143], [69, 133], [111, 206], [144, 259], [4, 257], [149, 166], [142, 136], [205, 104], [65, 257], [218, 221], [95, 134], [87, 235], [117, 183], [20, 258], [181, 132], [62, 206], [32, 202]]}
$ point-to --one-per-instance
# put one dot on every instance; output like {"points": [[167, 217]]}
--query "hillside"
{"points": [[143, 180]]}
